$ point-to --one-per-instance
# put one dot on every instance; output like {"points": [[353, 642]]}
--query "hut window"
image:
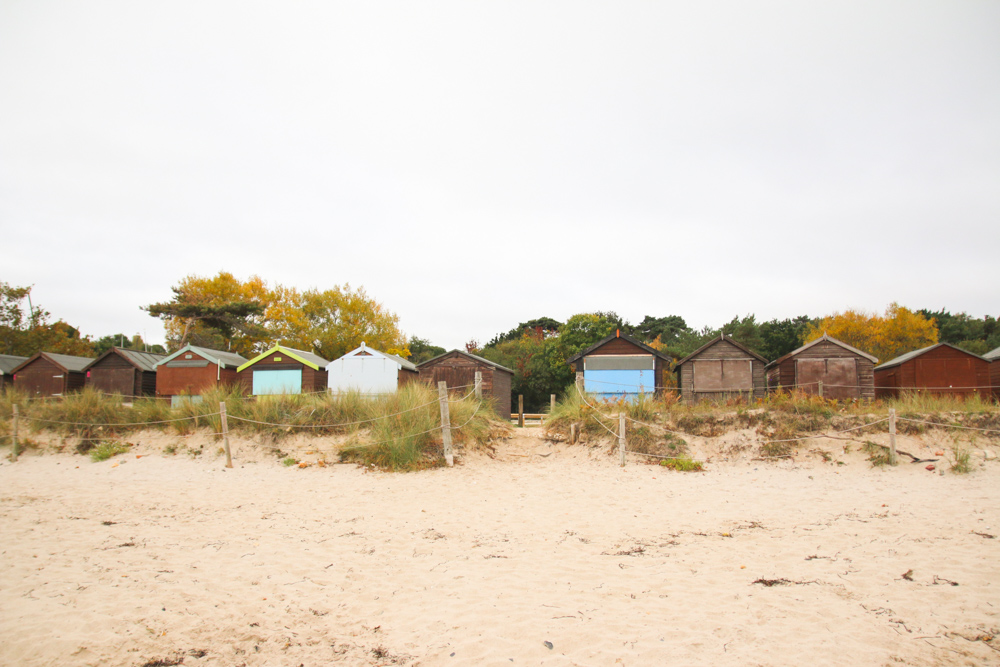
{"points": [[277, 358], [188, 356]]}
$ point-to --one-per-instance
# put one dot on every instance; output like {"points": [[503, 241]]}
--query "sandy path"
{"points": [[482, 564]]}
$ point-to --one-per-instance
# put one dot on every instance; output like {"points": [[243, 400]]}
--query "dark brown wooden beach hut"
{"points": [[8, 363], [937, 369], [192, 370], [845, 372], [719, 369], [47, 374], [131, 373], [621, 366], [459, 368], [284, 370], [993, 357]]}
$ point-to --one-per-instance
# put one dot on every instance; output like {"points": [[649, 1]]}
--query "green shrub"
{"points": [[683, 464], [877, 454], [105, 450], [288, 462]]}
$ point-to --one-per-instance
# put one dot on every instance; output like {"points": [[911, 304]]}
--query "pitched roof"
{"points": [[66, 362], [468, 356], [311, 360], [222, 359], [408, 365], [634, 341], [828, 339], [8, 362], [903, 358], [144, 361], [720, 339], [992, 355]]}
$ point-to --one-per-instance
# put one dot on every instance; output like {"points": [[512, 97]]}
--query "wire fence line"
{"points": [[788, 386]]}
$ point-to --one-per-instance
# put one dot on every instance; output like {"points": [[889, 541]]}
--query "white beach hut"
{"points": [[369, 371]]}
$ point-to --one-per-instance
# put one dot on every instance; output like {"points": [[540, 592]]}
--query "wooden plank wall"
{"points": [[892, 381], [720, 350], [784, 373], [460, 371], [115, 375]]}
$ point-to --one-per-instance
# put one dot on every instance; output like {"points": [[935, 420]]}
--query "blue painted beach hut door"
{"points": [[277, 382], [619, 376]]}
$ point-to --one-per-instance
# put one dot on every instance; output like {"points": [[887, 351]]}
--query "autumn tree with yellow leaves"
{"points": [[248, 317], [887, 336]]}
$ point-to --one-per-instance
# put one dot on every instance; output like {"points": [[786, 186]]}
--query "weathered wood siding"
{"points": [[995, 377], [460, 371], [313, 381], [943, 370], [622, 347], [175, 381], [115, 375], [785, 375], [720, 351], [43, 378]]}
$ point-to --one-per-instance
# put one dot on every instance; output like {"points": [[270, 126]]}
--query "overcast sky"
{"points": [[478, 164]]}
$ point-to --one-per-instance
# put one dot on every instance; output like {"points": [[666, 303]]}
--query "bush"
{"points": [[683, 464], [962, 463], [105, 450]]}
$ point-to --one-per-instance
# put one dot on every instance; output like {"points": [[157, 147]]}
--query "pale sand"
{"points": [[484, 563]]}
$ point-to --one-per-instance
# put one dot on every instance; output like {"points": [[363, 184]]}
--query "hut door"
{"points": [[113, 380], [277, 382], [839, 377], [943, 374]]}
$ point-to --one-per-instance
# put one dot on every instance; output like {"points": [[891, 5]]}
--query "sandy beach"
{"points": [[539, 554]]}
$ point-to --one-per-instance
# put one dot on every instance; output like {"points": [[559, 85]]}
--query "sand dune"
{"points": [[541, 554]]}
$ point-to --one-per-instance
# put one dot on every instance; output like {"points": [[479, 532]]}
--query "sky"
{"points": [[474, 165]]}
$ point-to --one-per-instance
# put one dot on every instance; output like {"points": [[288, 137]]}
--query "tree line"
{"points": [[248, 316], [537, 350]]}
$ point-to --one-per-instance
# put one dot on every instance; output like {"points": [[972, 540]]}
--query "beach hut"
{"points": [[126, 372], [719, 369], [937, 369], [47, 374], [621, 366], [369, 371], [284, 370], [8, 363], [993, 357], [192, 370], [459, 368], [845, 372]]}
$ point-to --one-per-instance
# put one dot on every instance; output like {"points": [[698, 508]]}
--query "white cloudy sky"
{"points": [[477, 164]]}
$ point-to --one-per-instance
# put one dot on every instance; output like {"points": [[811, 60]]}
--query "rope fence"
{"points": [[892, 420], [443, 399]]}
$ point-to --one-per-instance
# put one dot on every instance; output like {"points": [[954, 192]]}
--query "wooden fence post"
{"points": [[445, 422], [820, 383], [552, 403], [621, 436], [892, 436], [520, 410], [15, 449], [479, 385], [579, 381], [573, 433], [225, 433]]}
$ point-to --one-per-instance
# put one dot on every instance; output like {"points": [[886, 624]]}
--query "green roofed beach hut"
{"points": [[284, 370], [193, 370]]}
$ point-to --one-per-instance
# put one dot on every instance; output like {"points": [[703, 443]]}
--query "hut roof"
{"points": [[222, 359], [634, 341], [311, 360], [722, 337], [65, 362], [828, 339], [8, 362], [468, 356], [903, 358], [144, 361], [992, 355], [408, 365]]}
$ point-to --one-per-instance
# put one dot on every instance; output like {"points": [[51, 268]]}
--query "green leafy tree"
{"points": [[105, 343], [779, 337], [421, 350], [25, 329], [667, 329]]}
